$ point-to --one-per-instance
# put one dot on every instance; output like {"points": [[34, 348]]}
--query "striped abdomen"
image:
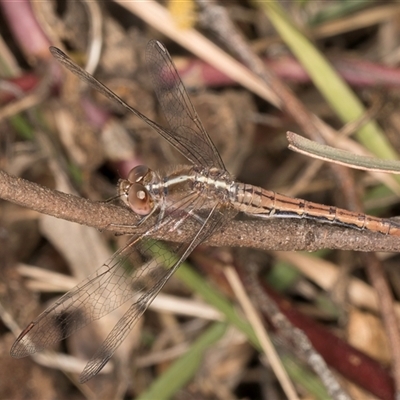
{"points": [[263, 203]]}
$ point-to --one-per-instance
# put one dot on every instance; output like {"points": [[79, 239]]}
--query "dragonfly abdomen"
{"points": [[263, 203]]}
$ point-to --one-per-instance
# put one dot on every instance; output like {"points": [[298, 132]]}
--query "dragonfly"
{"points": [[202, 194]]}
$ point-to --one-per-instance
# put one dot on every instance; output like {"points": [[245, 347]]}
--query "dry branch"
{"points": [[271, 234]]}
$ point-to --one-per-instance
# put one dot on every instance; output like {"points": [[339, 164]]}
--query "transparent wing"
{"points": [[136, 273], [129, 272], [189, 133]]}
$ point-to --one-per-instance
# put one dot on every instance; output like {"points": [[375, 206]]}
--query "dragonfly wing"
{"points": [[128, 272], [136, 273], [187, 133]]}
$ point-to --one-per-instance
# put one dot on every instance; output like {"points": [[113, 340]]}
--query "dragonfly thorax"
{"points": [[145, 190], [184, 180], [213, 182]]}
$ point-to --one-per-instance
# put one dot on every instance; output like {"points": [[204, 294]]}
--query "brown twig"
{"points": [[269, 234]]}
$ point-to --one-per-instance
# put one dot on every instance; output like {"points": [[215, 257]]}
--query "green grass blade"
{"points": [[336, 92]]}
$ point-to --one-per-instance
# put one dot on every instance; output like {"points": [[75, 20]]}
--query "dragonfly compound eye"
{"points": [[139, 199], [138, 173]]}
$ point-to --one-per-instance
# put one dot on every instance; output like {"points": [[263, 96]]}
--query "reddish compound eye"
{"points": [[138, 173], [139, 199]]}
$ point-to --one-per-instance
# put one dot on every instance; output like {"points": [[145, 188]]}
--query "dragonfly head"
{"points": [[133, 190]]}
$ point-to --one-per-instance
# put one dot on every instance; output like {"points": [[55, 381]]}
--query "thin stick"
{"points": [[266, 234]]}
